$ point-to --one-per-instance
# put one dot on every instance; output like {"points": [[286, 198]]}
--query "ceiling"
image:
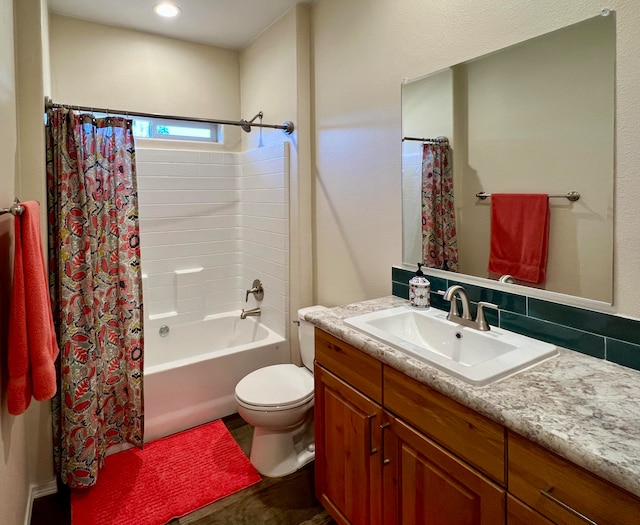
{"points": [[223, 23]]}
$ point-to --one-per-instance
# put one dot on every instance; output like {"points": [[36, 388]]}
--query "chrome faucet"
{"points": [[254, 312], [450, 295], [480, 323]]}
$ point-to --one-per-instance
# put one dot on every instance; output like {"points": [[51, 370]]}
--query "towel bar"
{"points": [[573, 196]]}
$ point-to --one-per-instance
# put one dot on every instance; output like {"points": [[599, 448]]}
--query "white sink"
{"points": [[476, 357]]}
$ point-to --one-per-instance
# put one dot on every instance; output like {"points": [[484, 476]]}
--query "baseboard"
{"points": [[37, 491]]}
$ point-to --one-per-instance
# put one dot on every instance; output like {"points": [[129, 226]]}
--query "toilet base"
{"points": [[276, 453]]}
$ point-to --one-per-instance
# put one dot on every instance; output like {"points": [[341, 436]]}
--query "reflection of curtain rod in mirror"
{"points": [[573, 196], [423, 139]]}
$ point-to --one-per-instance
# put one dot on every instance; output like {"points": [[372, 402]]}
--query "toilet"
{"points": [[277, 401]]}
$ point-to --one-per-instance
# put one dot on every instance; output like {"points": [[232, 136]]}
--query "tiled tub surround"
{"points": [[597, 334], [584, 409], [210, 223]]}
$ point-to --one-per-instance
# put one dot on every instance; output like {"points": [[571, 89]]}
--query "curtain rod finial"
{"points": [[288, 127]]}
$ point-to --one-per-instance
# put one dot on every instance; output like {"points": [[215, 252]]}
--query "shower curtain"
{"points": [[96, 290], [439, 242]]}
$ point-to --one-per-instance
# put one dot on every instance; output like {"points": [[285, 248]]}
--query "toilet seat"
{"points": [[276, 387]]}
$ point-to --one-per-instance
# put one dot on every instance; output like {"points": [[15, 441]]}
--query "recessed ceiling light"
{"points": [[166, 9]]}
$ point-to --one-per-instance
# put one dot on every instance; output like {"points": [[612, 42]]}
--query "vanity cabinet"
{"points": [[391, 450], [374, 468]]}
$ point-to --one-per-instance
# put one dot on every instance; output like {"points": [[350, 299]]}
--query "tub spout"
{"points": [[253, 311]]}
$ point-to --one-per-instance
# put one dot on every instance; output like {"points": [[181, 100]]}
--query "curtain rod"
{"points": [[246, 125]]}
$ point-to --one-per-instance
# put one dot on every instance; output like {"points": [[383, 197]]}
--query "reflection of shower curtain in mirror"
{"points": [[439, 243]]}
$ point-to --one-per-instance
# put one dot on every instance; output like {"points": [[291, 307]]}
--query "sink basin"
{"points": [[479, 358]]}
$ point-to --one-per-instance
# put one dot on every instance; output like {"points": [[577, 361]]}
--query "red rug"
{"points": [[171, 477]]}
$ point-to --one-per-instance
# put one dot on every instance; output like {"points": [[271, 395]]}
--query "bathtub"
{"points": [[190, 374]]}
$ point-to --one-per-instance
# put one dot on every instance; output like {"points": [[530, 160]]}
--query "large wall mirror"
{"points": [[537, 117]]}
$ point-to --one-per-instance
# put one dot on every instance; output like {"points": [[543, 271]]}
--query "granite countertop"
{"points": [[585, 409]]}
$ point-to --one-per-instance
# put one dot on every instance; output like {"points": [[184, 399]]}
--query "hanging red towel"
{"points": [[32, 340], [519, 235]]}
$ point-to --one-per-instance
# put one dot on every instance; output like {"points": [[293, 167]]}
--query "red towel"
{"points": [[519, 235], [32, 340]]}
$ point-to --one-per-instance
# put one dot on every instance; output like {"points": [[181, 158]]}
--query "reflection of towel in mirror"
{"points": [[519, 235], [32, 340]]}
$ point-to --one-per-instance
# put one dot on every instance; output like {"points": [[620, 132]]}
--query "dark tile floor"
{"points": [[288, 500]]}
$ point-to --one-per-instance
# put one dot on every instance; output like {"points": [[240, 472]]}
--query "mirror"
{"points": [[536, 117]]}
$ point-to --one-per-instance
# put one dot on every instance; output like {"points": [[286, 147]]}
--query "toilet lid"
{"points": [[276, 385]]}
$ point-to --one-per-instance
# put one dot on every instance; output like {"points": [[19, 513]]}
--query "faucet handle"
{"points": [[256, 289], [480, 318]]}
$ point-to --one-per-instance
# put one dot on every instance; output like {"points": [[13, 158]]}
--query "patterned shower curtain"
{"points": [[439, 242], [96, 290]]}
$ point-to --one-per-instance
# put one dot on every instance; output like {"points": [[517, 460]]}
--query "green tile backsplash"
{"points": [[597, 334]]}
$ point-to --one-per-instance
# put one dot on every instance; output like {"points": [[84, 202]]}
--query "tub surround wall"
{"points": [[210, 223], [188, 233], [263, 186], [606, 336]]}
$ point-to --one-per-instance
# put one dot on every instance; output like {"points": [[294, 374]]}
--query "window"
{"points": [[159, 128]]}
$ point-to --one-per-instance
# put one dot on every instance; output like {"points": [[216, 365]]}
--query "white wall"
{"points": [[357, 110], [358, 70], [14, 472], [108, 67], [29, 435]]}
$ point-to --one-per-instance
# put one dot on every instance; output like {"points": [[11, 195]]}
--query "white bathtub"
{"points": [[190, 375]]}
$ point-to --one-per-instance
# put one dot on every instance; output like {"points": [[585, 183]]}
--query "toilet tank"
{"points": [[305, 336]]}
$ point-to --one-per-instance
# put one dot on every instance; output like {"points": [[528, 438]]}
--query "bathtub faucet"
{"points": [[253, 311]]}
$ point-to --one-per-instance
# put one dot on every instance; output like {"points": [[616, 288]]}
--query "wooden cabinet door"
{"points": [[425, 484], [348, 466]]}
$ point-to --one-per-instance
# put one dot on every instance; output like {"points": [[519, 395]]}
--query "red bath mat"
{"points": [[171, 477]]}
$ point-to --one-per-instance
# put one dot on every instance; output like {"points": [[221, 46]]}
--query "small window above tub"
{"points": [[170, 129]]}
